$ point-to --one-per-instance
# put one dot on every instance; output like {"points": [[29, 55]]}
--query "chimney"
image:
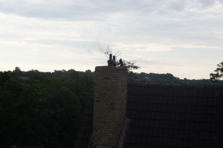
{"points": [[110, 95]]}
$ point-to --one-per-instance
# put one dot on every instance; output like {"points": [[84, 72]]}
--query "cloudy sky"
{"points": [[182, 37]]}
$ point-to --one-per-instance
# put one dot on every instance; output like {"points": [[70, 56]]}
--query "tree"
{"points": [[17, 70], [214, 77], [131, 66], [42, 110]]}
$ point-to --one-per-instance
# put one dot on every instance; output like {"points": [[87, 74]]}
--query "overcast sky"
{"points": [[182, 37]]}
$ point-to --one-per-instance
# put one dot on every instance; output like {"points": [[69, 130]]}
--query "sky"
{"points": [[181, 37]]}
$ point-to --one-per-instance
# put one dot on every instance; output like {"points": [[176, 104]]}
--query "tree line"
{"points": [[41, 108], [169, 79]]}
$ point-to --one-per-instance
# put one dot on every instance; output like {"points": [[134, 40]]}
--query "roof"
{"points": [[167, 116]]}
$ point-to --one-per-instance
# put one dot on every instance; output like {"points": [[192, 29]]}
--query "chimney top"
{"points": [[112, 61]]}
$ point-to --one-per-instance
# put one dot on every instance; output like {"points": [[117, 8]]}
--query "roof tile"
{"points": [[168, 116]]}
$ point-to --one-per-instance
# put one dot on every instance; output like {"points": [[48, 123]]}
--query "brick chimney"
{"points": [[110, 95]]}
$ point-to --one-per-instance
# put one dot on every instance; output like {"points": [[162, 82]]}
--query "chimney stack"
{"points": [[110, 95]]}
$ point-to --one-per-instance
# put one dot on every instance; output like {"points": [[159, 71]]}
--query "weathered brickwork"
{"points": [[109, 104]]}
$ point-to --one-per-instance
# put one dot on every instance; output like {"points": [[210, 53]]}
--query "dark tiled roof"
{"points": [[167, 116], [174, 116]]}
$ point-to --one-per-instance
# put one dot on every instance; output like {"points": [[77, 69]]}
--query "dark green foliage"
{"points": [[169, 79], [131, 66], [214, 77], [41, 110]]}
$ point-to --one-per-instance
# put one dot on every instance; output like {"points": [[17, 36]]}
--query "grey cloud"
{"points": [[220, 1], [175, 26], [72, 43], [176, 5], [206, 3], [76, 10], [147, 62], [73, 46], [154, 62], [66, 10], [8, 36]]}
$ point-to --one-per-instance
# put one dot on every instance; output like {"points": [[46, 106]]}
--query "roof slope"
{"points": [[174, 116], [167, 116]]}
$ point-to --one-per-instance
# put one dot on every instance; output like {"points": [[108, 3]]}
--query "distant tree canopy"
{"points": [[43, 109], [131, 66], [218, 73]]}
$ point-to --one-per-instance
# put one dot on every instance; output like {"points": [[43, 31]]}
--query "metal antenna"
{"points": [[119, 54], [107, 52], [116, 53], [112, 61]]}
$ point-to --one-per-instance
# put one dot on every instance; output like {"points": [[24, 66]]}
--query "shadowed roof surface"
{"points": [[167, 116]]}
